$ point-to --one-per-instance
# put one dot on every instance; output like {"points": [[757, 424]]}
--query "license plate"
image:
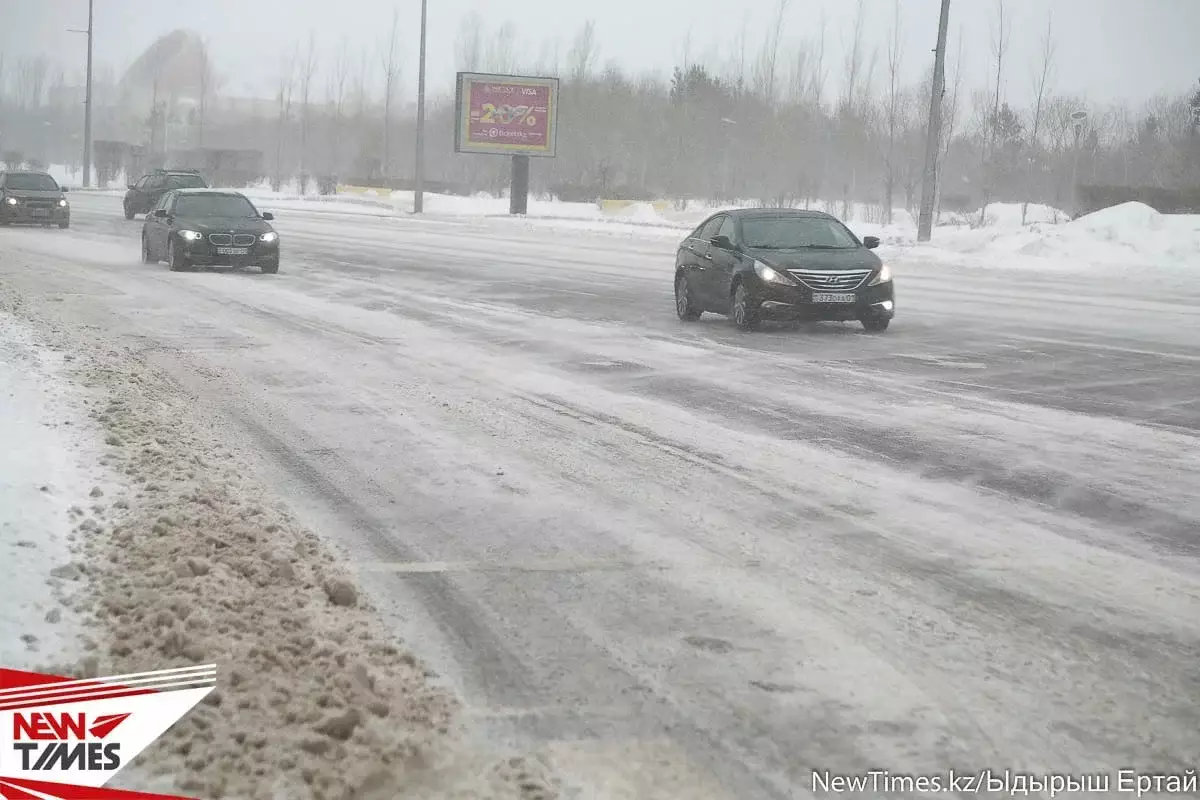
{"points": [[833, 298], [40, 212], [233, 251]]}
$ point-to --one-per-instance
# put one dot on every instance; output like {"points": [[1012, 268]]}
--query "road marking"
{"points": [[547, 565]]}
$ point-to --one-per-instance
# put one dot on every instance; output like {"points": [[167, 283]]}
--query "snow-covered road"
{"points": [[688, 562]]}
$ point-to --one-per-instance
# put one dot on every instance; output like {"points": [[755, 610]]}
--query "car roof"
{"points": [[199, 190], [23, 172], [743, 213]]}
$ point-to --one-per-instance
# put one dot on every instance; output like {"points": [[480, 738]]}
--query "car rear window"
{"points": [[186, 182], [30, 183]]}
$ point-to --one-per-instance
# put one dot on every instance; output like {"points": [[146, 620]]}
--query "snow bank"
{"points": [[1128, 234], [39, 484]]}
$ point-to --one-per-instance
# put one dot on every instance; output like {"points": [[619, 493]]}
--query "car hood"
{"points": [[857, 258], [34, 194], [223, 224]]}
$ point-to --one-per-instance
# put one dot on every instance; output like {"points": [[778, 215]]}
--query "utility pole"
{"points": [[933, 136], [1078, 120], [419, 189], [87, 102]]}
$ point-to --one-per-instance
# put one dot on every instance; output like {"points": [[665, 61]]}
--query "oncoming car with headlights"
{"points": [[756, 264], [33, 198], [209, 227]]}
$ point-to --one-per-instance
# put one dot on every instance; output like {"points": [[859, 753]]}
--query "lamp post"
{"points": [[1078, 120], [87, 102], [419, 188], [933, 136]]}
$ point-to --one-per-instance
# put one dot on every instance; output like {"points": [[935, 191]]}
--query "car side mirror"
{"points": [[268, 216], [161, 213], [64, 189], [129, 186], [870, 242], [723, 242]]}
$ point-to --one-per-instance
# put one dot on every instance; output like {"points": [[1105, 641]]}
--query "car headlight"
{"points": [[269, 236], [62, 203], [191, 236], [769, 274], [12, 201], [885, 275]]}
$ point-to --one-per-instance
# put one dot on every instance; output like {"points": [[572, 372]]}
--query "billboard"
{"points": [[506, 115]]}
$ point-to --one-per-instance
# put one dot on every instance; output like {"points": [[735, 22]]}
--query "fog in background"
{"points": [[777, 102]]}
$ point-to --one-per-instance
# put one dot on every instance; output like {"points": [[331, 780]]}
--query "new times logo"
{"points": [[66, 738]]}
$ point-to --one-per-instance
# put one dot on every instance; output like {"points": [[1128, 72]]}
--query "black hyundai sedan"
{"points": [[756, 264], [209, 227]]}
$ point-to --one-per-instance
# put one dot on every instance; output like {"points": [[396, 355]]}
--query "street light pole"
{"points": [[419, 188], [933, 136], [87, 102]]}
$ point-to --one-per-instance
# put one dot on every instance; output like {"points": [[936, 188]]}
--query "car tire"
{"points": [[62, 226], [744, 311], [270, 268], [175, 262], [129, 213], [876, 325], [686, 306], [147, 256]]}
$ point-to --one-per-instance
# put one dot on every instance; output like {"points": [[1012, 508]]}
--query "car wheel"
{"points": [[175, 262], [270, 268], [63, 225], [147, 256], [745, 311], [876, 325], [685, 301]]}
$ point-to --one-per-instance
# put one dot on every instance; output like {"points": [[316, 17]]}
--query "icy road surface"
{"points": [[689, 562]]}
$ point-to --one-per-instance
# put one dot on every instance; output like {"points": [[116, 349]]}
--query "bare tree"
{"points": [[999, 48], [895, 56], [950, 115], [31, 81], [308, 67], [335, 94], [3, 82], [853, 63], [391, 74], [501, 50], [819, 73], [1040, 81], [468, 47], [583, 52], [285, 88], [208, 81], [766, 70]]}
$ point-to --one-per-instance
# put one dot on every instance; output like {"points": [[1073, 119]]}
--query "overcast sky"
{"points": [[1109, 50]]}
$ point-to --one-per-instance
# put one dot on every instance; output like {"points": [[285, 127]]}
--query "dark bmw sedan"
{"points": [[33, 198], [756, 264], [209, 227]]}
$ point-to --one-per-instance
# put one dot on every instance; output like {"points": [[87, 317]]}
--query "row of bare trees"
{"points": [[765, 121]]}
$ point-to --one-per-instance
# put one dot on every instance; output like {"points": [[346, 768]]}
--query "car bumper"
{"points": [[202, 254], [796, 303], [33, 215]]}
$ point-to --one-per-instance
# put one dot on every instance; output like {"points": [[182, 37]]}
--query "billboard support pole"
{"points": [[518, 193]]}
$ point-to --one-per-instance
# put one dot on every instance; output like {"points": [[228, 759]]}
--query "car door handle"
{"points": [[708, 256]]}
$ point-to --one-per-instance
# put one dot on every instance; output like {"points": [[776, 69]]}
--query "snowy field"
{"points": [[645, 559]]}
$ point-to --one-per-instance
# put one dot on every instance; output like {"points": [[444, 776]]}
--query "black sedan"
{"points": [[33, 198], [756, 264], [209, 227]]}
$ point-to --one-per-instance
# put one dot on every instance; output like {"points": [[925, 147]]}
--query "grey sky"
{"points": [[1109, 50]]}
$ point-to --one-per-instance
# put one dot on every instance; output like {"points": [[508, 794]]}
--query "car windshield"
{"points": [[795, 233], [214, 205], [185, 182], [33, 183]]}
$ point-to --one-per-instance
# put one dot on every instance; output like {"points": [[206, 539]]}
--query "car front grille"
{"points": [[244, 239], [220, 239], [833, 280]]}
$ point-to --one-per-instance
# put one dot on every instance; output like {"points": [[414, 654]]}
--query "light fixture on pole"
{"points": [[419, 187], [87, 102]]}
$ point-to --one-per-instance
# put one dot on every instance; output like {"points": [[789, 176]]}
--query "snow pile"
{"points": [[1131, 234], [642, 213], [183, 559]]}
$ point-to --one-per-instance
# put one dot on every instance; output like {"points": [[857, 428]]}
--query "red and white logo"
{"points": [[63, 739]]}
